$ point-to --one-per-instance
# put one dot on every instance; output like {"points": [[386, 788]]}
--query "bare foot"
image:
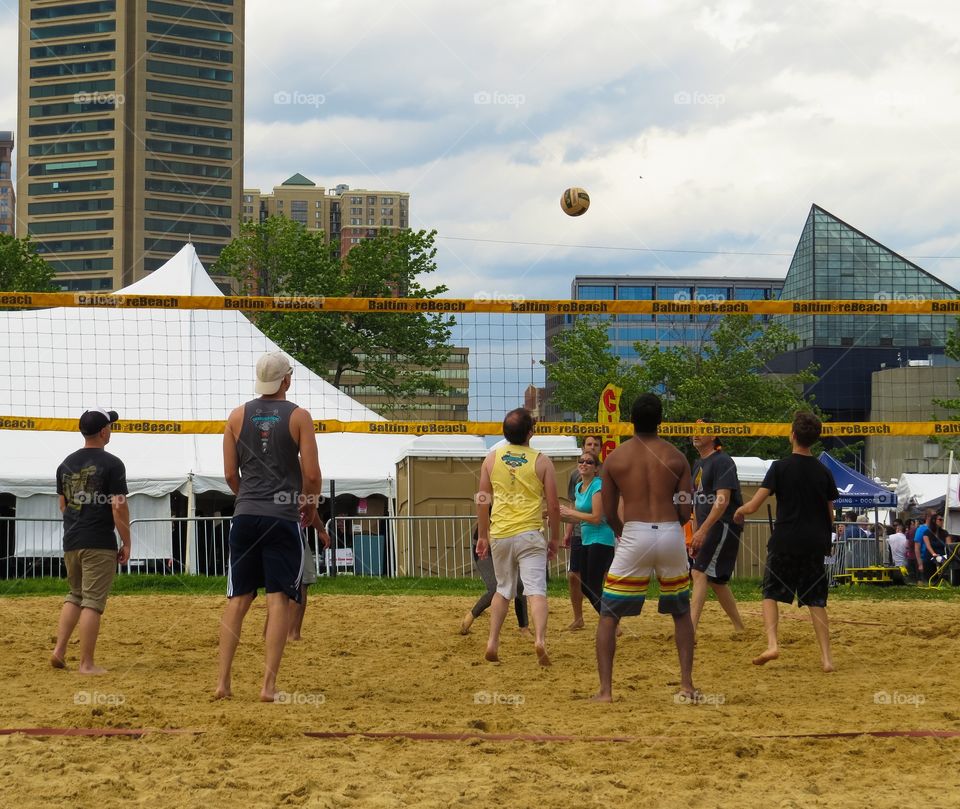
{"points": [[92, 670], [525, 632], [223, 692], [828, 666], [466, 623], [601, 697], [542, 657], [297, 636], [766, 657], [57, 662], [688, 696], [577, 624], [268, 696], [491, 656]]}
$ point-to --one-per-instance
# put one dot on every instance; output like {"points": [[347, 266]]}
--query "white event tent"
{"points": [[156, 364]]}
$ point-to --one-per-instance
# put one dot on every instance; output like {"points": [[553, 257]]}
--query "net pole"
{"points": [[333, 518]]}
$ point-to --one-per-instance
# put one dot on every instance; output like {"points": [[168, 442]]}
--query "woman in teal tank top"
{"points": [[597, 537]]}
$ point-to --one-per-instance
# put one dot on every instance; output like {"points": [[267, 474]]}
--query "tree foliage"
{"points": [[21, 268], [398, 353], [952, 350], [726, 379]]}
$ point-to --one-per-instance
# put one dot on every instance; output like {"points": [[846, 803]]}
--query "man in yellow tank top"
{"points": [[514, 481]]}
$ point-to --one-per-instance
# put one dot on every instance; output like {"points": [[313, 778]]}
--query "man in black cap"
{"points": [[92, 485]]}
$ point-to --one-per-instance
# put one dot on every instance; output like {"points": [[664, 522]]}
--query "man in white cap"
{"points": [[92, 485], [270, 462]]}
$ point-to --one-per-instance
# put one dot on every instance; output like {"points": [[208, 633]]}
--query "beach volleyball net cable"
{"points": [[178, 364]]}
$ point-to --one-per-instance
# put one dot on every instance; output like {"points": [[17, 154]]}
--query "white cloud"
{"points": [[737, 115]]}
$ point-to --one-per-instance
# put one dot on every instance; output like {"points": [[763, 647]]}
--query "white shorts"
{"points": [[521, 557], [644, 550], [308, 568]]}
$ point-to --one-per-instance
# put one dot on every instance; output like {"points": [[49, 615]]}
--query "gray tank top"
{"points": [[270, 478]]}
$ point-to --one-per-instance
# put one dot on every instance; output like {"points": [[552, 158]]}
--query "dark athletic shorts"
{"points": [[802, 577], [718, 553], [264, 552], [574, 553]]}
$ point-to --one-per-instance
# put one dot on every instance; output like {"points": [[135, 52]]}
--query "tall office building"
{"points": [[349, 216], [8, 200], [666, 330], [132, 118]]}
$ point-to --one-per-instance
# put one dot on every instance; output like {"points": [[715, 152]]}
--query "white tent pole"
{"points": [[191, 560]]}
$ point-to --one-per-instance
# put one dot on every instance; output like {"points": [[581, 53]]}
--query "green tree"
{"points": [[398, 353], [952, 405], [725, 378], [21, 268]]}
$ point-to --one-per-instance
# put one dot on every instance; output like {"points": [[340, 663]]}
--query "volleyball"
{"points": [[574, 201]]}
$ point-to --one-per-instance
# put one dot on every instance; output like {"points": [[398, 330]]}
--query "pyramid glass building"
{"points": [[835, 261]]}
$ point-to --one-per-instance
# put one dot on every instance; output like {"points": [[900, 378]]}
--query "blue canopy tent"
{"points": [[855, 489]]}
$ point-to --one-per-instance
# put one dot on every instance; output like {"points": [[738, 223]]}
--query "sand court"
{"points": [[396, 665]]}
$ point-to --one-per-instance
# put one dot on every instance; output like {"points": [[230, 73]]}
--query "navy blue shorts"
{"points": [[718, 553], [264, 552]]}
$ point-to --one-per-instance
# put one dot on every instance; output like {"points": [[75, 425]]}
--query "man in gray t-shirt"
{"points": [[716, 537]]}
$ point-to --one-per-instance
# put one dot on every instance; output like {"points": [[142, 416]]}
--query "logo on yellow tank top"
{"points": [[514, 461]]}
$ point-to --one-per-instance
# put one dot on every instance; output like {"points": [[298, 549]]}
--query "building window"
{"points": [[595, 293]]}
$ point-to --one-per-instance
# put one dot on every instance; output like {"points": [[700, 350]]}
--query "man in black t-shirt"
{"points": [[805, 491], [716, 537], [92, 485]]}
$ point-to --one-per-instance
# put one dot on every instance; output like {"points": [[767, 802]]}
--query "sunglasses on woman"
{"points": [[588, 461]]}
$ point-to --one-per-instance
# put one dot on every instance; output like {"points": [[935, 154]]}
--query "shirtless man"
{"points": [[653, 479]]}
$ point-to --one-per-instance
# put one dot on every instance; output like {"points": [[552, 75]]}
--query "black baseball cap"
{"points": [[94, 420]]}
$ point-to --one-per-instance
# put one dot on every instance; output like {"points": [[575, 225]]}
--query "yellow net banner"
{"points": [[882, 304], [667, 429]]}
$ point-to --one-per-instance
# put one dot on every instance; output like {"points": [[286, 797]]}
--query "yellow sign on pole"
{"points": [[608, 412]]}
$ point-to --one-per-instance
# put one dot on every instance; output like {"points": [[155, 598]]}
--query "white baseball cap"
{"points": [[271, 369]]}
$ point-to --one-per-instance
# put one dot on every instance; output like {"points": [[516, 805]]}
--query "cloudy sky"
{"points": [[694, 126]]}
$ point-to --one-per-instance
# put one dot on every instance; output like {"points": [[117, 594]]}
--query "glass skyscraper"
{"points": [[835, 261]]}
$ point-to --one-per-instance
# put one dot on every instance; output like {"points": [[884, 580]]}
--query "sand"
{"points": [[397, 664]]}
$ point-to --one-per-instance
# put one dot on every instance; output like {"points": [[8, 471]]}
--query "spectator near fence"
{"points": [[897, 542]]}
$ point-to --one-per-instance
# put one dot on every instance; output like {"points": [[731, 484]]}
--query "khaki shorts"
{"points": [[90, 572], [308, 570], [522, 557]]}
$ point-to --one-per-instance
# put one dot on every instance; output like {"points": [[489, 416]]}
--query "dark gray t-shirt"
{"points": [[87, 479], [716, 471], [270, 477]]}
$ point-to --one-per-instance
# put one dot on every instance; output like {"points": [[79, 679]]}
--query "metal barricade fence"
{"points": [[32, 547], [420, 547], [441, 547]]}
